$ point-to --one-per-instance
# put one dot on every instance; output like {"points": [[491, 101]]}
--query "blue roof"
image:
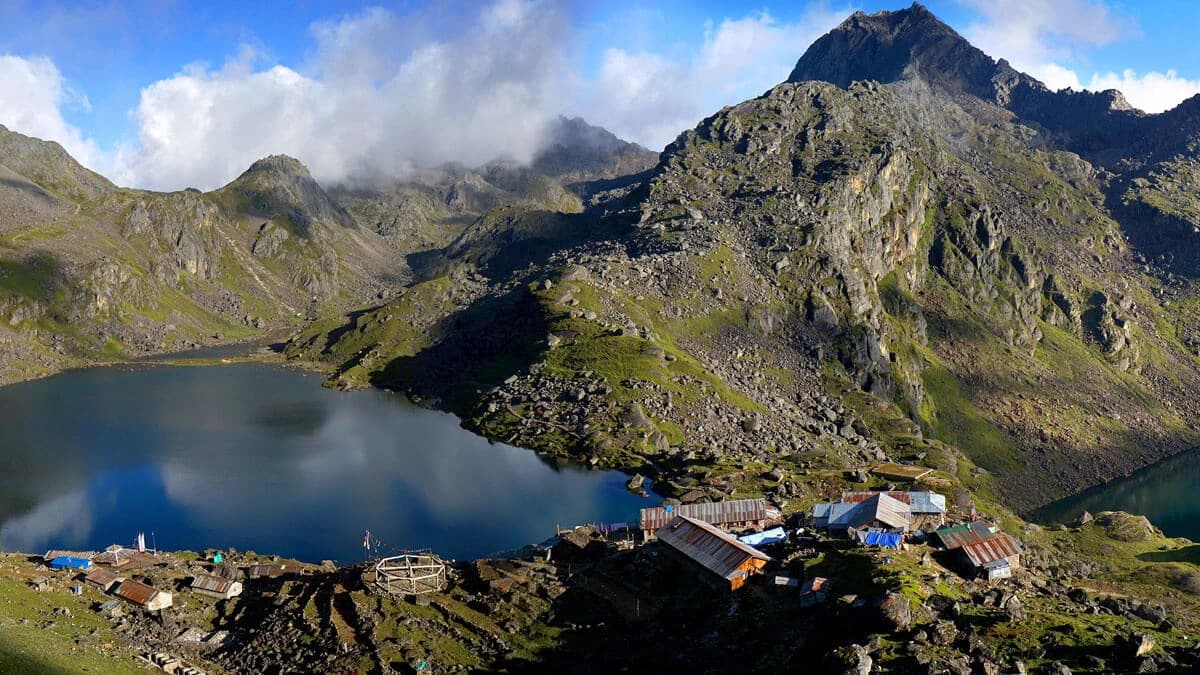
{"points": [[884, 539], [67, 562]]}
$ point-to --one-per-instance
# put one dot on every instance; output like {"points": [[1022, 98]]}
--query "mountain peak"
{"points": [[279, 185], [280, 165], [50, 166], [892, 46]]}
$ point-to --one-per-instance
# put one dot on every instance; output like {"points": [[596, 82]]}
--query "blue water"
{"points": [[1165, 493], [257, 457]]}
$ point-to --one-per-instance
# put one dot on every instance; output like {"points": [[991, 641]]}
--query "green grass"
{"points": [[67, 646], [33, 277], [949, 412]]}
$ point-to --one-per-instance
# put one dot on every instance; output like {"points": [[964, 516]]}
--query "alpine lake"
{"points": [[258, 457], [1164, 492]]}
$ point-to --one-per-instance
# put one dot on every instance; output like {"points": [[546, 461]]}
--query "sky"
{"points": [[169, 94]]}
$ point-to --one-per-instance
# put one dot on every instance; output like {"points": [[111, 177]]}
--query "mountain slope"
{"points": [[90, 271], [834, 273]]}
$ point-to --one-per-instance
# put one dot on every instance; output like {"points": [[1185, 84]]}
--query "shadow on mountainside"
{"points": [[480, 347]]}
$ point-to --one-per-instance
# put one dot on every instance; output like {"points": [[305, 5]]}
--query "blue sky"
{"points": [[170, 94]]}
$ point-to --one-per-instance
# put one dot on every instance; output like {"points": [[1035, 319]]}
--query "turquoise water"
{"points": [[257, 457], [1166, 493]]}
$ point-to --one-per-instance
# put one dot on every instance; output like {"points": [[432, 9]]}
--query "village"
{"points": [[187, 605]]}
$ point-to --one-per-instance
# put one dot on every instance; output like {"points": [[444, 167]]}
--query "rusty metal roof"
{"points": [[136, 592], [124, 557], [922, 501], [999, 546], [966, 533], [717, 551], [102, 577], [212, 584], [715, 513], [271, 571]]}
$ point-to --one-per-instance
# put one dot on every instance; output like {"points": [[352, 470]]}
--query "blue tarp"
{"points": [[67, 562], [884, 539], [765, 537]]}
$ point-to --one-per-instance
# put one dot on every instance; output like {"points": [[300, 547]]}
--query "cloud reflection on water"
{"points": [[257, 457]]}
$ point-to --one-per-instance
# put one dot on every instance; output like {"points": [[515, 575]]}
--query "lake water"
{"points": [[1166, 493], [257, 457]]}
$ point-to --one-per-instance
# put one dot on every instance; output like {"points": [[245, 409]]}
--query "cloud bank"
{"points": [[380, 93], [374, 99]]}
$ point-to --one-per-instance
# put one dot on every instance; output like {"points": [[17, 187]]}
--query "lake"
{"points": [[1165, 493], [258, 457]]}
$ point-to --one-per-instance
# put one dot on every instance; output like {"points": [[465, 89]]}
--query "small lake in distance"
{"points": [[258, 457], [1166, 493]]}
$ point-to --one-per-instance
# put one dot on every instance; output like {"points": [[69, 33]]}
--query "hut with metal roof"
{"points": [[267, 571], [995, 558], [216, 587], [725, 560], [103, 579], [733, 514], [928, 508], [142, 594], [124, 558], [880, 511], [55, 553], [955, 536], [66, 562]]}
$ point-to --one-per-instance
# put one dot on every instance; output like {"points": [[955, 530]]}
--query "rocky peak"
{"points": [[891, 46], [574, 149], [279, 166], [48, 165], [281, 186]]}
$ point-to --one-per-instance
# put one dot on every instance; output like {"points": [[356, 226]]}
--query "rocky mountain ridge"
{"points": [[950, 281]]}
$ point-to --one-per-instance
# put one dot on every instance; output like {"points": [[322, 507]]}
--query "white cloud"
{"points": [[1152, 92], [376, 98], [33, 94], [647, 97], [1039, 37]]}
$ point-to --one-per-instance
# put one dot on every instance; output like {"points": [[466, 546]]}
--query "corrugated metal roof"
{"points": [[922, 501], [715, 513], [999, 546], [55, 553], [102, 577], [212, 584], [124, 557], [966, 533], [880, 507], [260, 571], [136, 592], [717, 551]]}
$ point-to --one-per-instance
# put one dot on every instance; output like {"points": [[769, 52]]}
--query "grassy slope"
{"points": [[35, 640]]}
